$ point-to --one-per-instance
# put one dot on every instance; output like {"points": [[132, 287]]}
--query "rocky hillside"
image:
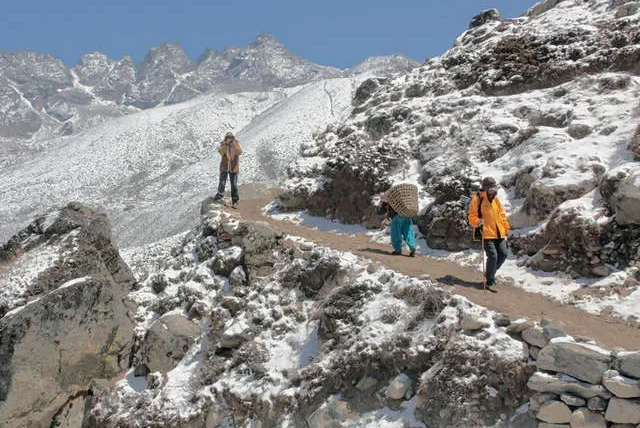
{"points": [[235, 322], [42, 97], [63, 320], [547, 103]]}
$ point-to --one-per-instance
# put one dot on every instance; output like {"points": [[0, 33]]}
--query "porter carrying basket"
{"points": [[403, 198]]}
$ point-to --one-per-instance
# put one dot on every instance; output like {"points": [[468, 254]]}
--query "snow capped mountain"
{"points": [[41, 98]]}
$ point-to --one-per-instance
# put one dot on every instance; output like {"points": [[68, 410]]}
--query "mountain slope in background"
{"points": [[155, 166], [42, 98]]}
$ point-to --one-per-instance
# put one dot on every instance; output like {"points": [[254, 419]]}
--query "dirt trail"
{"points": [[509, 300]]}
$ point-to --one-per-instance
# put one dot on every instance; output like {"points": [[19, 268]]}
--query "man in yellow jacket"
{"points": [[486, 210], [229, 165]]}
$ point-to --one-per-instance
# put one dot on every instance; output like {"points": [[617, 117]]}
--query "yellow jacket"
{"points": [[495, 224], [230, 156]]}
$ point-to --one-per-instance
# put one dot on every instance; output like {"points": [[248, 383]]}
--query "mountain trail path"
{"points": [[509, 300]]}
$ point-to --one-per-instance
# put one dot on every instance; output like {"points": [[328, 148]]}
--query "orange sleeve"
{"points": [[503, 216], [472, 214]]}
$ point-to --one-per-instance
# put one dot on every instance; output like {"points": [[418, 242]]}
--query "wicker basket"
{"points": [[403, 198]]}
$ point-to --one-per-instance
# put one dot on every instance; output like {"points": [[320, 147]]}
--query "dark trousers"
{"points": [[233, 179], [496, 250]]}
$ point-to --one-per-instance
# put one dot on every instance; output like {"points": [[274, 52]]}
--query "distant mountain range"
{"points": [[41, 97]]}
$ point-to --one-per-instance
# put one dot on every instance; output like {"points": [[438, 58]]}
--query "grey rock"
{"points": [[519, 326], [620, 386], [620, 188], [585, 418], [623, 411], [473, 323], [167, 341], [579, 130], [554, 412], [235, 334], [552, 329], [331, 414], [575, 359], [628, 363], [597, 404], [366, 383], [627, 9], [562, 384], [539, 398], [572, 400], [534, 351], [398, 387], [535, 336], [75, 318]]}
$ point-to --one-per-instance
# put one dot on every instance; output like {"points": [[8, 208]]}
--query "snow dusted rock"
{"points": [[585, 418], [234, 334], [620, 386], [621, 188], [623, 411], [484, 17], [331, 414], [561, 384], [68, 268], [399, 387], [226, 260], [627, 9], [167, 341], [569, 241], [554, 412], [582, 361], [473, 323], [75, 316], [628, 363], [258, 241]]}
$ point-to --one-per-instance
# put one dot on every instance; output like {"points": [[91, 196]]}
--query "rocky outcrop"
{"points": [[311, 337], [67, 323], [621, 189]]}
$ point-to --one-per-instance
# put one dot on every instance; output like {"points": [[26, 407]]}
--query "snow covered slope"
{"points": [[151, 169]]}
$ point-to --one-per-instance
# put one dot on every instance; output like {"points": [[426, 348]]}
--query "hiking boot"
{"points": [[396, 253], [412, 252], [234, 205]]}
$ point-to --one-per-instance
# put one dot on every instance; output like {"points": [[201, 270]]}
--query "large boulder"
{"points": [[579, 360], [75, 326], [621, 189]]}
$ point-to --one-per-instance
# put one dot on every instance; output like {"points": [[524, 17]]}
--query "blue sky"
{"points": [[329, 32]]}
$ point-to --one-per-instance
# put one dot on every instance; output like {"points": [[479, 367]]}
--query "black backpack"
{"points": [[477, 231]]}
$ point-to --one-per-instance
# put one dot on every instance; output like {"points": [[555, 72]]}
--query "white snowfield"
{"points": [[150, 170]]}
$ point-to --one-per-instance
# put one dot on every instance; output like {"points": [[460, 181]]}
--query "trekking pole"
{"points": [[484, 275]]}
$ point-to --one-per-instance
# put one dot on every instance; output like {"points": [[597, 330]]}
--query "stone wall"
{"points": [[579, 384]]}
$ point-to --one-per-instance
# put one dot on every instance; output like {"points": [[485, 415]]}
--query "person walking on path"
{"points": [[401, 228], [485, 210], [230, 152]]}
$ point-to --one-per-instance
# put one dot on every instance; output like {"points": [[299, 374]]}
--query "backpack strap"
{"points": [[479, 206]]}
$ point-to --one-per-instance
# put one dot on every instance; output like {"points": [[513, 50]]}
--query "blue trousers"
{"points": [[233, 178], [401, 228], [496, 250]]}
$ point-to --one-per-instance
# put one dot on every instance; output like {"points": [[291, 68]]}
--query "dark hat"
{"points": [[489, 182]]}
